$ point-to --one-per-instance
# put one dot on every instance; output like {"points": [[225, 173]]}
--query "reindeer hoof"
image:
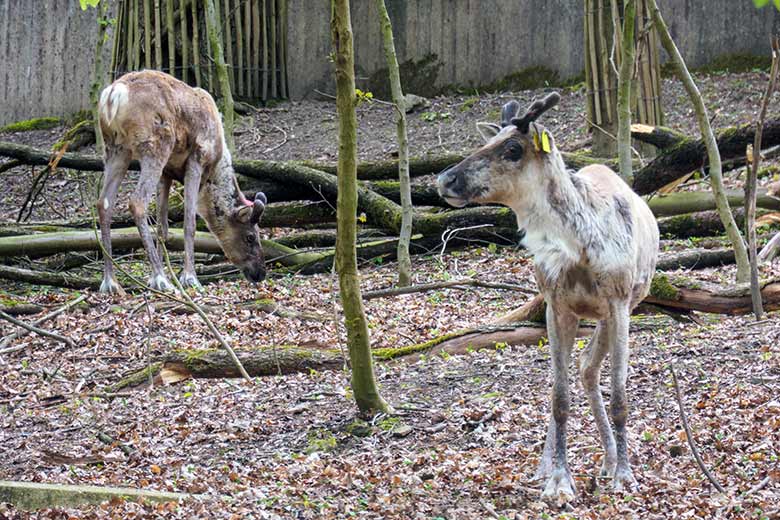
{"points": [[188, 280], [110, 286], [560, 488], [160, 283], [544, 470], [624, 479], [608, 467]]}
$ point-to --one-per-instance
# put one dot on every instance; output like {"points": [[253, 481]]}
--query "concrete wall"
{"points": [[46, 58], [46, 46], [480, 41]]}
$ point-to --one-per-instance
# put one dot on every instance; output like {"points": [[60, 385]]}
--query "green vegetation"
{"points": [[726, 63], [662, 288], [37, 123], [320, 440], [392, 353]]}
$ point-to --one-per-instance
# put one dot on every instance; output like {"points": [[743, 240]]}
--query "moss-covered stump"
{"points": [[29, 496]]}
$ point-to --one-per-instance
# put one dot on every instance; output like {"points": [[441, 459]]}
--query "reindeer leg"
{"points": [[163, 191], [590, 368], [191, 190], [151, 170], [561, 328], [623, 477], [116, 162]]}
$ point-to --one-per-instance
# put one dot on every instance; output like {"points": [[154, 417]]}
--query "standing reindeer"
{"points": [[594, 243], [175, 132]]}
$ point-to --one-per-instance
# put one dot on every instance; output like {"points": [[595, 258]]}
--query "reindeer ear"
{"points": [[488, 130], [243, 214]]}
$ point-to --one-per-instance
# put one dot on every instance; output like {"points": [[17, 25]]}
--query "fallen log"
{"points": [[690, 154], [679, 293], [269, 360], [369, 171], [682, 202], [695, 259], [701, 223], [659, 136]]}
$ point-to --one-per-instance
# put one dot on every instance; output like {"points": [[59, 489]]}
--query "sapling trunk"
{"points": [[716, 173], [407, 211], [363, 382], [215, 44], [624, 92]]}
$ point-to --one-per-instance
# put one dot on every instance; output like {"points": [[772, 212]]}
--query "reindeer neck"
{"points": [[556, 215], [219, 195]]}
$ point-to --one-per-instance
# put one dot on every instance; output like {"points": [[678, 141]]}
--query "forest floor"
{"points": [[287, 446]]}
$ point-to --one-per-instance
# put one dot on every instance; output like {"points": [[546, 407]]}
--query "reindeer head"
{"points": [[240, 238], [234, 221], [501, 170]]}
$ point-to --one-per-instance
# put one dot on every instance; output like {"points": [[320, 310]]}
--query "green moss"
{"points": [[388, 423], [392, 353], [320, 440], [37, 123], [417, 76], [71, 134], [726, 63], [663, 289], [359, 428], [529, 78], [138, 378]]}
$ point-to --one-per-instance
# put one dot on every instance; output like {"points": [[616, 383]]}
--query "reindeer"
{"points": [[594, 243], [175, 132]]}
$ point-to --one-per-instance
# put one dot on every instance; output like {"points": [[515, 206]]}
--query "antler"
{"points": [[537, 108], [258, 207], [509, 112]]}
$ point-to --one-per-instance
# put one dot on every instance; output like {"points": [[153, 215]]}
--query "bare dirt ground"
{"points": [[282, 447]]}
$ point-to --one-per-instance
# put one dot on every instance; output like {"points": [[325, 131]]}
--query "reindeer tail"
{"points": [[112, 99]]}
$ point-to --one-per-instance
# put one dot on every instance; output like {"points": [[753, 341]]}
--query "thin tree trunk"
{"points": [[215, 43], [407, 211], [228, 45], [750, 185], [363, 382], [171, 28], [158, 59], [98, 76], [624, 92], [716, 174], [184, 43], [195, 44], [148, 34]]}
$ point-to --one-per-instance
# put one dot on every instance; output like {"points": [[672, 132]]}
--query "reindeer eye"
{"points": [[250, 239], [513, 151]]}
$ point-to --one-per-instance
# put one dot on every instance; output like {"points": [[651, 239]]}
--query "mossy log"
{"points": [[701, 223], [30, 496], [659, 136], [695, 259], [682, 202], [688, 154], [680, 293], [287, 359]]}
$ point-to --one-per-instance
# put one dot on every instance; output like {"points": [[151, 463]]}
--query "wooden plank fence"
{"points": [[168, 35]]}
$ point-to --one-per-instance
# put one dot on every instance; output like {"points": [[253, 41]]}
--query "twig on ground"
{"points": [[11, 337], [41, 332], [149, 343], [689, 435], [758, 487], [452, 284]]}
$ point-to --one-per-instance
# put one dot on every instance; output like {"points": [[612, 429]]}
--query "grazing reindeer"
{"points": [[175, 132], [594, 243]]}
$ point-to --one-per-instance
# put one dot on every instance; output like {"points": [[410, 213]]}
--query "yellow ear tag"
{"points": [[545, 142], [536, 142]]}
